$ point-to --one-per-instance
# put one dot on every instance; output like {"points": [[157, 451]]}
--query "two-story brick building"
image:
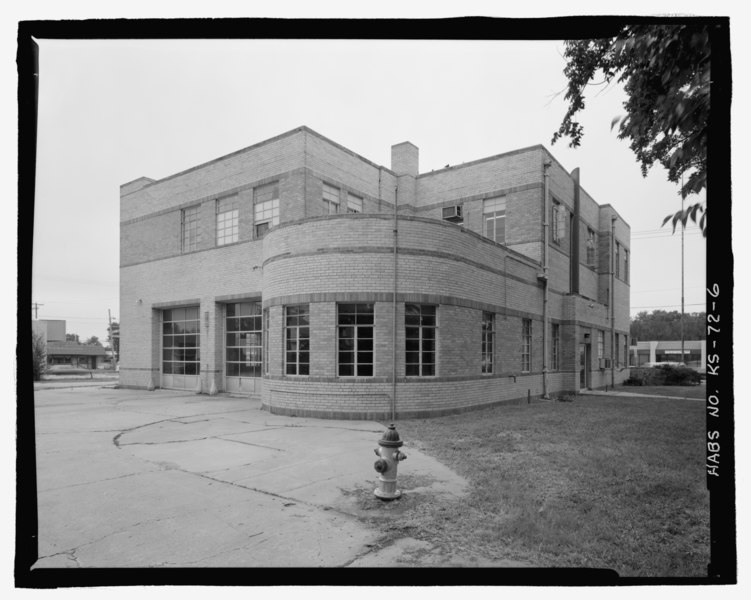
{"points": [[299, 272]]}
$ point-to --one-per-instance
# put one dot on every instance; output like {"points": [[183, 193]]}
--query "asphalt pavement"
{"points": [[130, 478]]}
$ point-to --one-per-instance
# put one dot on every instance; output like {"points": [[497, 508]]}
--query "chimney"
{"points": [[405, 159]]}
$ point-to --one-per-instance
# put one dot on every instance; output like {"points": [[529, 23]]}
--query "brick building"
{"points": [[281, 272]]}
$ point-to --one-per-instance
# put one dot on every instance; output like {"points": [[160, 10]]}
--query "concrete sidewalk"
{"points": [[132, 478], [635, 395]]}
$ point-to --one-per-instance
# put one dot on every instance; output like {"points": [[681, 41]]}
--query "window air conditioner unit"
{"points": [[453, 214], [605, 363]]}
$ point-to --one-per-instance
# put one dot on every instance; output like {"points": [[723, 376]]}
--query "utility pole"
{"points": [[683, 228], [112, 336], [36, 306]]}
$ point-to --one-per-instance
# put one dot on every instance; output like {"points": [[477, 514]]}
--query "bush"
{"points": [[39, 355], [679, 375]]}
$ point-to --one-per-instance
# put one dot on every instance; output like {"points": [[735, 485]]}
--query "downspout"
{"points": [[545, 165], [393, 336], [612, 301]]}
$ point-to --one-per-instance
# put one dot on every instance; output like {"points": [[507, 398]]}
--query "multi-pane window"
{"points": [[266, 207], [354, 203], [266, 341], [244, 333], [330, 197], [591, 247], [617, 259], [558, 222], [617, 357], [488, 321], [355, 340], [494, 219], [297, 340], [600, 344], [181, 341], [526, 344], [625, 350], [625, 265], [191, 233], [419, 322], [227, 220], [556, 347]]}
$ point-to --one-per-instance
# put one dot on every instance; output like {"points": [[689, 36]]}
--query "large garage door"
{"points": [[181, 343]]}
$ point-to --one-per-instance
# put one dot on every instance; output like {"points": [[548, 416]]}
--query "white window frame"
{"points": [[617, 259], [354, 203], [591, 245], [488, 343], [330, 197], [421, 339], [356, 364], [555, 347], [190, 226], [265, 207], [526, 345], [494, 210], [296, 333], [558, 218], [227, 220]]}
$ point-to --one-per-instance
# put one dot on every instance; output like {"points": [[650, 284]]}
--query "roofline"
{"points": [[481, 160], [301, 128]]}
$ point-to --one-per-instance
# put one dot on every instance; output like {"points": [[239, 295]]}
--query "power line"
{"points": [[670, 305], [662, 229], [662, 235]]}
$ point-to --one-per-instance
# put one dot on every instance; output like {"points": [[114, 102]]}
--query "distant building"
{"points": [[53, 330], [694, 353], [276, 272], [62, 352]]}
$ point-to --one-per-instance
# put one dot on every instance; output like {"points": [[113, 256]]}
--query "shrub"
{"points": [[674, 375], [39, 356]]}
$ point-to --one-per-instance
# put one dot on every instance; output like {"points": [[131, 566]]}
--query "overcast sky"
{"points": [[112, 111]]}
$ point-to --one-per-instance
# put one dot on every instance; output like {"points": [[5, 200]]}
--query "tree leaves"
{"points": [[666, 76], [690, 212]]}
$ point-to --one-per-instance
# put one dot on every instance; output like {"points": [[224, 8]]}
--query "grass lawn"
{"points": [[687, 391], [597, 482]]}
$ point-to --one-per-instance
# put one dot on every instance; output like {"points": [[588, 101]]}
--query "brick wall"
{"points": [[322, 260]]}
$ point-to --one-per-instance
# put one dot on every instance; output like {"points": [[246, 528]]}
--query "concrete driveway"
{"points": [[132, 478]]}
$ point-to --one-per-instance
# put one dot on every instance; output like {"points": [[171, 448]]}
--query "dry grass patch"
{"points": [[599, 482]]}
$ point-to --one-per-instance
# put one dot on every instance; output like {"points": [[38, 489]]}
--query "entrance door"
{"points": [[243, 348], [584, 382]]}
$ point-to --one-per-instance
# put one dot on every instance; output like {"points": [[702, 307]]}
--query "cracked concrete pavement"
{"points": [[129, 478]]}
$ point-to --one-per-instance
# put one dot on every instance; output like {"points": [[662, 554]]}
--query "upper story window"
{"points": [[558, 222], [330, 197], [227, 220], [355, 339], [526, 344], [591, 247], [354, 203], [494, 219], [419, 322], [617, 259], [191, 233], [625, 265], [266, 207], [488, 322]]}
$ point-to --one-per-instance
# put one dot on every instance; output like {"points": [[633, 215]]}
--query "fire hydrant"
{"points": [[386, 466]]}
